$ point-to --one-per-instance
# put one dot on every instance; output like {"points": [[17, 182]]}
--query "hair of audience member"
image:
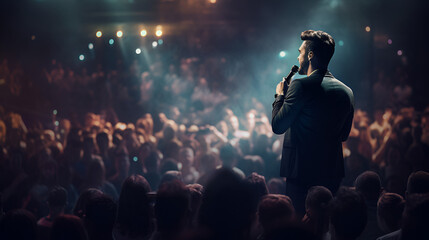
{"points": [[257, 184], [418, 182], [171, 176], [390, 207], [100, 217], [68, 227], [348, 215], [169, 133], [102, 139], [274, 210], [228, 206], [227, 154], [369, 185], [83, 200], [18, 224], [134, 210], [168, 164], [415, 219], [172, 207], [57, 197], [317, 209]]}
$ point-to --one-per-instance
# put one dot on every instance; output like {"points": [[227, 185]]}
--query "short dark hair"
{"points": [[418, 182], [321, 43], [368, 184], [389, 209], [348, 213], [57, 197]]}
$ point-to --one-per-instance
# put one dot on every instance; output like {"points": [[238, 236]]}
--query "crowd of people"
{"points": [[193, 164]]}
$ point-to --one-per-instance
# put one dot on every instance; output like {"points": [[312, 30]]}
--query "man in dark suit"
{"points": [[315, 113]]}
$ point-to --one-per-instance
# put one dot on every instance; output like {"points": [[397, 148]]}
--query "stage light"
{"points": [[55, 112], [212, 1], [341, 43], [282, 54], [367, 29], [99, 34], [158, 33], [81, 57], [389, 42], [154, 44], [399, 52], [119, 34], [90, 46], [111, 41], [138, 51], [135, 159], [160, 41], [143, 33], [57, 123]]}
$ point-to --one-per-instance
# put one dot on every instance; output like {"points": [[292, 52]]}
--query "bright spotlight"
{"points": [[160, 41], [341, 43], [212, 1], [399, 52], [90, 46], [99, 34], [282, 54], [111, 41], [389, 41], [55, 112], [143, 33], [367, 29], [119, 34], [57, 123], [81, 57], [135, 159], [158, 33], [138, 51], [154, 44]]}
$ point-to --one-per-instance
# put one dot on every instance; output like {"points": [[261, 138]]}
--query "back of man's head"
{"points": [[18, 224], [172, 206], [321, 44], [57, 197], [274, 210], [369, 185], [415, 218], [389, 211], [258, 184], [347, 214], [418, 182], [100, 217]]}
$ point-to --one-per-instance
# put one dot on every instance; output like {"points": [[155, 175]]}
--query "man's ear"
{"points": [[310, 55]]}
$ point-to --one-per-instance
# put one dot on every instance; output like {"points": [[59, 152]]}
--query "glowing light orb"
{"points": [[341, 43], [143, 33], [90, 46], [81, 57], [367, 29], [154, 44], [282, 54], [158, 33], [389, 41], [111, 41], [399, 52], [119, 34], [160, 41], [138, 51], [99, 34]]}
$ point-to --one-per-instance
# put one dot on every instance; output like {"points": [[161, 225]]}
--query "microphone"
{"points": [[290, 75]]}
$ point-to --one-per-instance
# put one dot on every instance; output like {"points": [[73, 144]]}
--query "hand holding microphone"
{"points": [[282, 87]]}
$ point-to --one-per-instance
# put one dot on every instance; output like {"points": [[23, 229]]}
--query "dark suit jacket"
{"points": [[316, 116]]}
